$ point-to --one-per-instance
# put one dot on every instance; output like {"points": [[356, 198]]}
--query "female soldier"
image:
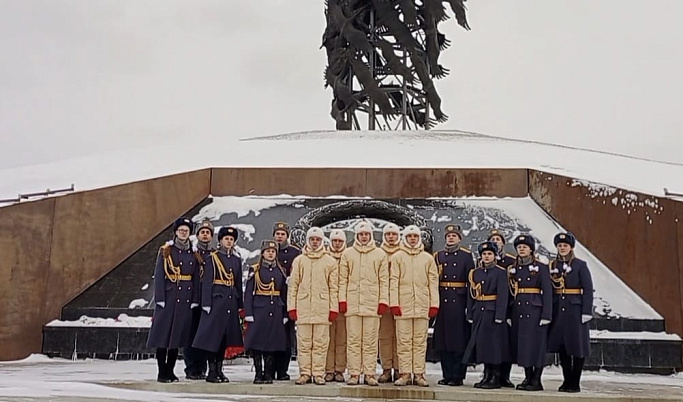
{"points": [[531, 313], [336, 353], [176, 278], [265, 300], [486, 311], [219, 326], [572, 309]]}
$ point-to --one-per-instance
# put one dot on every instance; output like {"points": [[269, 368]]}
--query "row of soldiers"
{"points": [[349, 302]]}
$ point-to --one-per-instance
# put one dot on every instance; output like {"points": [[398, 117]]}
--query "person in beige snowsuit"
{"points": [[414, 298], [336, 353], [391, 243], [364, 297], [312, 301]]}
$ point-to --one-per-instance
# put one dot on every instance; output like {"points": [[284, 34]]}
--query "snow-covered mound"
{"points": [[414, 149]]}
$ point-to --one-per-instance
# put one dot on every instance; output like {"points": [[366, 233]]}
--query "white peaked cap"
{"points": [[364, 227], [391, 228], [337, 234], [315, 232], [411, 229]]}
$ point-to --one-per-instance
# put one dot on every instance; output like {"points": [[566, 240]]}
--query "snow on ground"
{"points": [[123, 320], [433, 149], [60, 379]]}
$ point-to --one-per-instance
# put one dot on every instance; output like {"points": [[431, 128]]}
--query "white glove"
{"points": [[207, 309], [509, 321], [287, 280], [161, 304], [498, 321], [585, 318], [285, 320], [543, 322], [470, 321], [249, 318], [193, 305]]}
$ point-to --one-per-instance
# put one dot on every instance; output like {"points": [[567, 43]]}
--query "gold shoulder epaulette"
{"points": [[510, 255], [465, 249], [291, 245], [503, 268]]}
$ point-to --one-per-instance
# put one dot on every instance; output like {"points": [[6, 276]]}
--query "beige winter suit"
{"points": [[363, 285], [313, 292], [414, 287], [387, 329], [336, 353]]}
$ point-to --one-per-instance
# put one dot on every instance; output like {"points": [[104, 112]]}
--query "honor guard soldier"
{"points": [[221, 304], [265, 301], [363, 297], [391, 243], [414, 299], [504, 259], [336, 353], [312, 301], [531, 290], [497, 237], [195, 359], [451, 330], [176, 279], [486, 311], [569, 333], [286, 253]]}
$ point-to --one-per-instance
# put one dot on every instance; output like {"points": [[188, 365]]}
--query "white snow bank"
{"points": [[138, 303], [657, 336], [331, 149], [123, 320], [242, 206]]}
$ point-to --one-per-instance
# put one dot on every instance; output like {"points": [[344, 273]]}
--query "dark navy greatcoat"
{"points": [[505, 260], [267, 332], [489, 338], [286, 255], [451, 330], [529, 339], [171, 325], [222, 324], [566, 329]]}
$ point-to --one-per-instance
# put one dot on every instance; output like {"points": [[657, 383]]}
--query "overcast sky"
{"points": [[90, 75]]}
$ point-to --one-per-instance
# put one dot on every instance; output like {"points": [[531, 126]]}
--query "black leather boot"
{"points": [[566, 364], [171, 357], [505, 369], [269, 367], [535, 383], [162, 375], [494, 379], [212, 377], [219, 367], [258, 367], [577, 368], [486, 378], [528, 373]]}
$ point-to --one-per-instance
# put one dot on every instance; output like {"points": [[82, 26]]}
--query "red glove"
{"points": [[433, 311], [382, 308], [396, 310], [241, 313], [333, 316], [292, 315], [342, 307]]}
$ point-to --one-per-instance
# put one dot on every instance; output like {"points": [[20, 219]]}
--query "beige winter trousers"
{"points": [[336, 353], [311, 342], [387, 342], [361, 344], [411, 338]]}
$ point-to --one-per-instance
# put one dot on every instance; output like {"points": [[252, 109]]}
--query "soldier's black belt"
{"points": [[486, 298], [268, 293], [568, 291], [452, 284], [179, 277], [533, 291], [224, 283]]}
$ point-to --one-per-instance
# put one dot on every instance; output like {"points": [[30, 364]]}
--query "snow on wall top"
{"points": [[418, 149]]}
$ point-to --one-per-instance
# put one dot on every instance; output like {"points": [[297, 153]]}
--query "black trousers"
{"points": [[452, 366]]}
